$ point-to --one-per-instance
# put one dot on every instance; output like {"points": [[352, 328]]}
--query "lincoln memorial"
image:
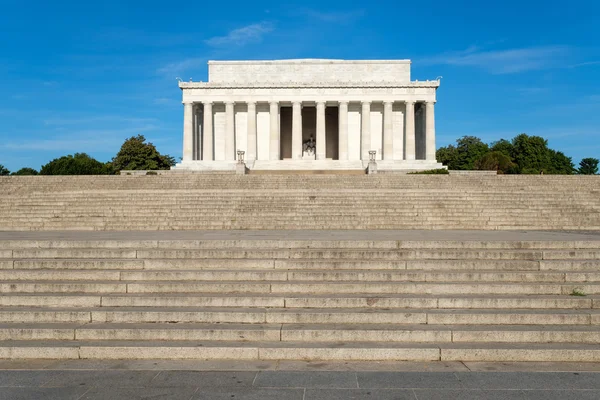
{"points": [[309, 114]]}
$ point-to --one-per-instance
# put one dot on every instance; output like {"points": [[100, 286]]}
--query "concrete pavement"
{"points": [[195, 380]]}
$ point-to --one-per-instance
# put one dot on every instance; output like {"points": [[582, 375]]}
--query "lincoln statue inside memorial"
{"points": [[309, 114]]}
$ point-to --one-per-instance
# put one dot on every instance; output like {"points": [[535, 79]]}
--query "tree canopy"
{"points": [[78, 164], [25, 171], [523, 154], [588, 166], [3, 170], [463, 157], [136, 154]]}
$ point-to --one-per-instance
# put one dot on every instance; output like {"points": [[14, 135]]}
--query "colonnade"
{"points": [[204, 111]]}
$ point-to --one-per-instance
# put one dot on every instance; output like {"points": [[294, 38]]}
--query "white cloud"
{"points": [[333, 16], [504, 61], [61, 121], [80, 141], [585, 64], [178, 67], [242, 36]]}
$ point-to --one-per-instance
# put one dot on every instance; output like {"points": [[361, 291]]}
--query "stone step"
{"points": [[298, 264], [305, 332], [248, 300], [304, 254], [298, 287], [300, 316], [314, 351], [271, 275], [271, 244]]}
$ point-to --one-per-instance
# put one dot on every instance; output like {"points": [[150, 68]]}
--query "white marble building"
{"points": [[309, 114]]}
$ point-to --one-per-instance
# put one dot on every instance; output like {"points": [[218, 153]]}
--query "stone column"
{"points": [[343, 130], [274, 131], [197, 132], [207, 133], [229, 131], [388, 133], [296, 130], [251, 153], [429, 132], [409, 126], [188, 132], [321, 141], [365, 130]]}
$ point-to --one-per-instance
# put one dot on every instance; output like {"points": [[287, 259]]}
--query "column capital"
{"points": [[366, 102], [229, 103], [251, 102], [299, 103], [388, 102], [343, 102], [187, 103], [321, 103], [409, 102], [431, 102], [209, 102]]}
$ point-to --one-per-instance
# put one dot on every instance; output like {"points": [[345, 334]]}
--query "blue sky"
{"points": [[79, 76]]}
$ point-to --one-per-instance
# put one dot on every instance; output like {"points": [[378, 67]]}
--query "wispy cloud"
{"points": [[62, 121], [80, 141], [178, 67], [333, 16], [242, 36], [585, 64], [506, 61], [162, 101]]}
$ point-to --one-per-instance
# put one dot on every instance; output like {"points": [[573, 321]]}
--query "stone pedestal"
{"points": [[240, 169], [372, 168]]}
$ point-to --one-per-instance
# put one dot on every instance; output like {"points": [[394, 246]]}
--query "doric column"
{"points": [[229, 131], [388, 134], [409, 126], [365, 130], [188, 132], [320, 150], [207, 133], [274, 131], [429, 132], [296, 130], [343, 130], [251, 154]]}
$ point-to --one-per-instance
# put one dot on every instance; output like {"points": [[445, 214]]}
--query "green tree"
{"points": [[4, 171], [78, 164], [25, 171], [532, 156], [560, 163], [469, 149], [448, 156], [503, 146], [588, 166], [495, 161], [136, 154]]}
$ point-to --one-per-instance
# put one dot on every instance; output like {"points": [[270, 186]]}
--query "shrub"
{"points": [[439, 171]]}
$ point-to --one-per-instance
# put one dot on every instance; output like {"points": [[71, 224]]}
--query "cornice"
{"points": [[301, 85]]}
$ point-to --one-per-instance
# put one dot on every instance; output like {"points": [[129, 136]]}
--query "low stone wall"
{"points": [[459, 172]]}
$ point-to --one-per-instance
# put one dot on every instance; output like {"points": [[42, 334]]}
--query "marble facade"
{"points": [[309, 114]]}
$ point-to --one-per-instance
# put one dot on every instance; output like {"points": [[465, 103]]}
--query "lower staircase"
{"points": [[300, 300]]}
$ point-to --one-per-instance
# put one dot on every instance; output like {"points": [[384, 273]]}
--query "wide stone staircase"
{"points": [[227, 201], [492, 300]]}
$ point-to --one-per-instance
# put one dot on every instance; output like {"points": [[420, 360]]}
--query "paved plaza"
{"points": [[162, 379]]}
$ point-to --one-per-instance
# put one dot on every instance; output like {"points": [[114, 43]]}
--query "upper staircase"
{"points": [[225, 201]]}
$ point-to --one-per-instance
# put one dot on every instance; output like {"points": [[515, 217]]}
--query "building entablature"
{"points": [[301, 85]]}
